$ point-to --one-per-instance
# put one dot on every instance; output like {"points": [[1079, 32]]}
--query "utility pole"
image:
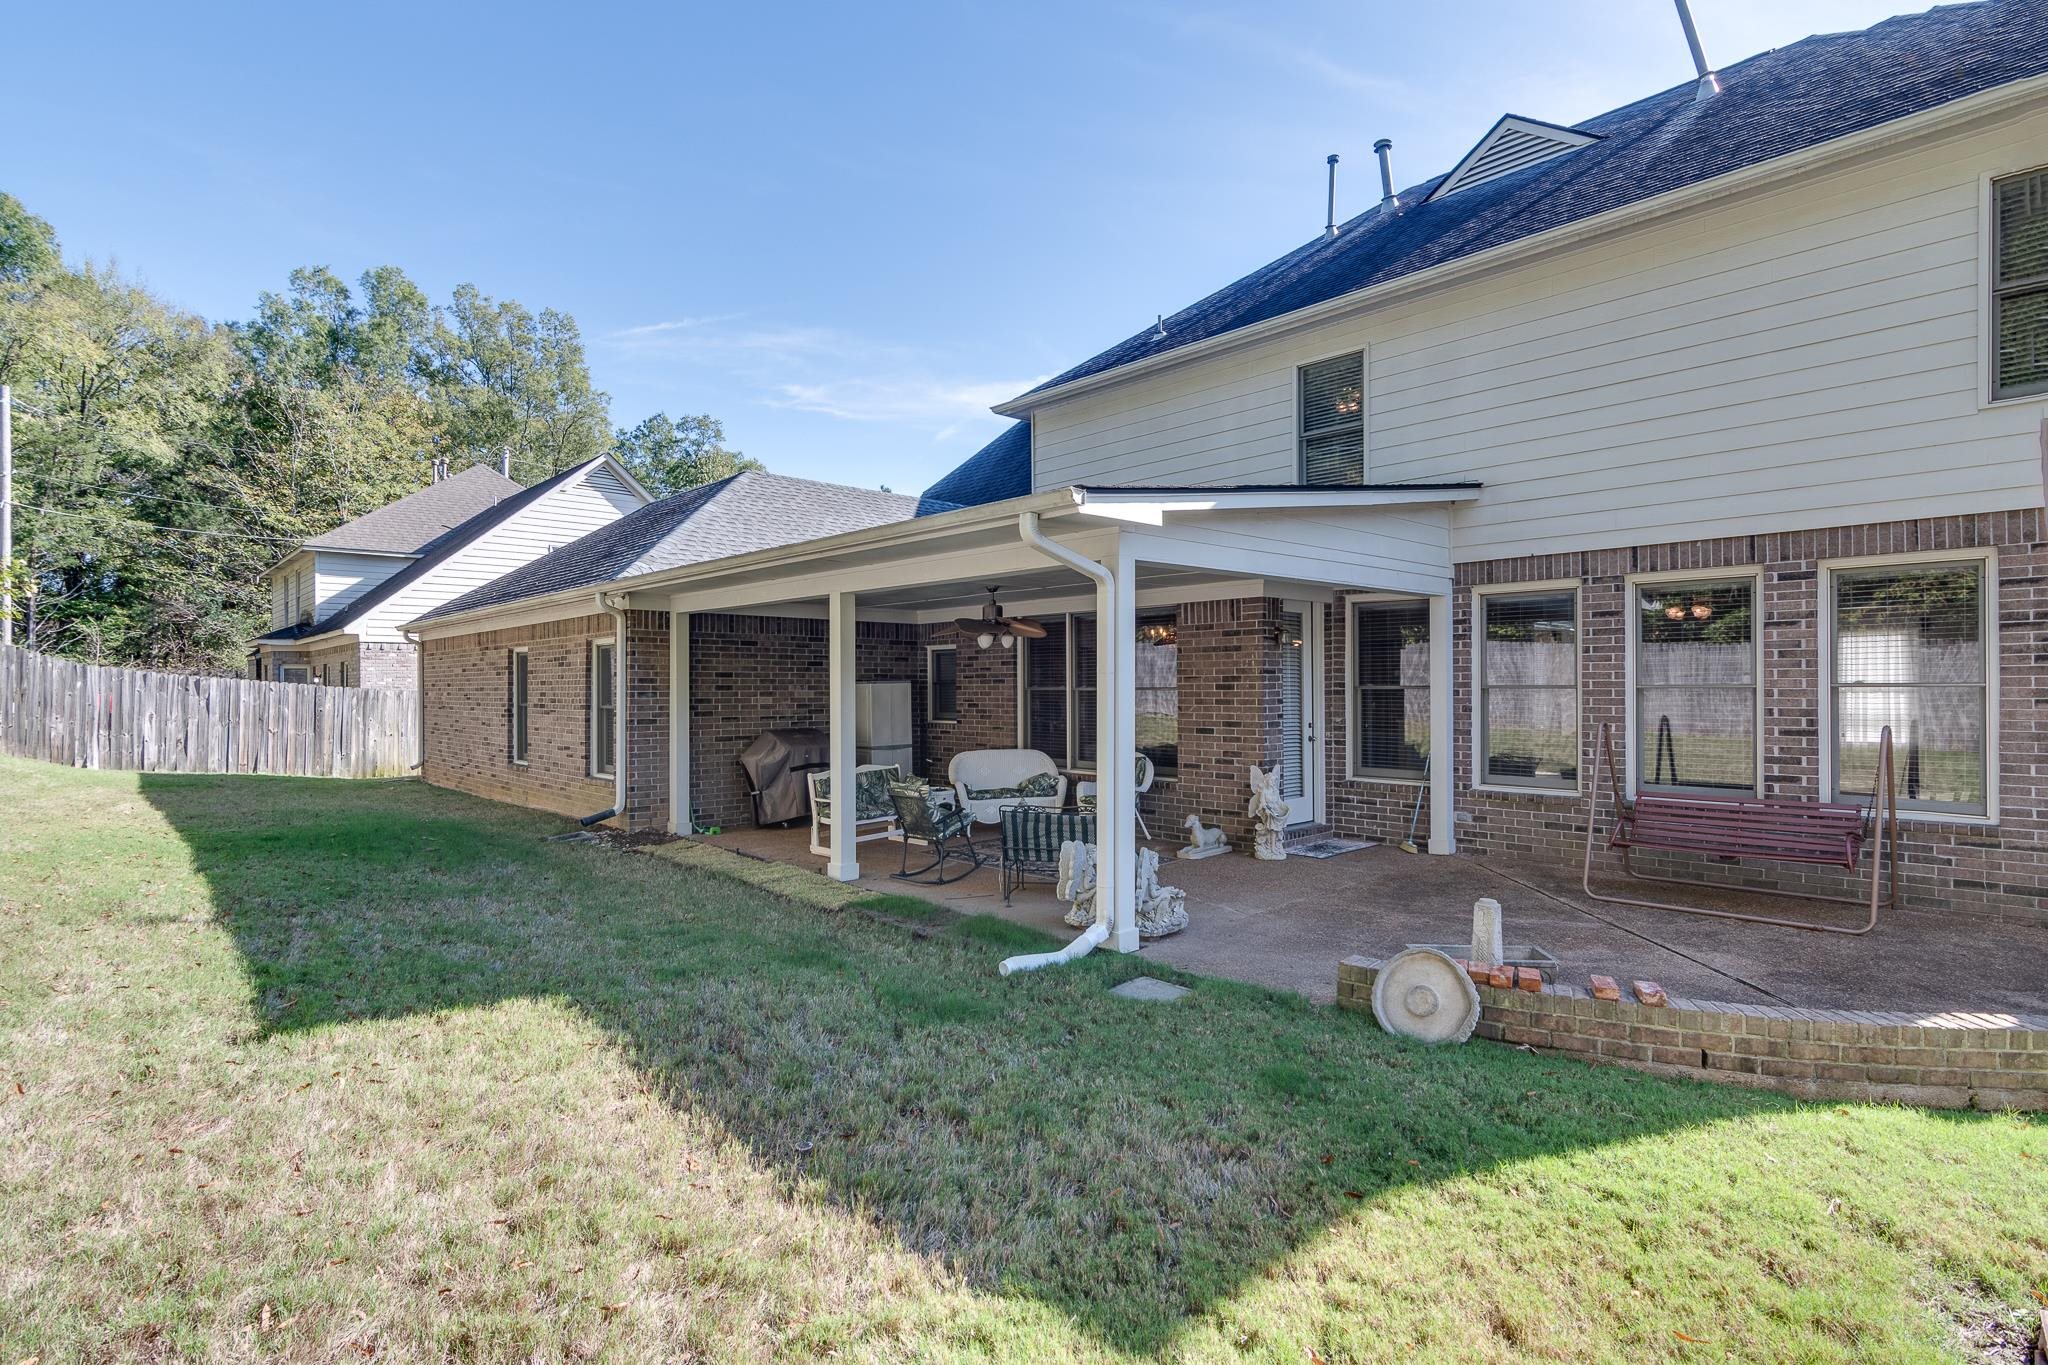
{"points": [[6, 515]]}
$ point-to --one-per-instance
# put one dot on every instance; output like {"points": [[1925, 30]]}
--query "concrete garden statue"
{"points": [[1269, 815], [1204, 841], [1162, 910]]}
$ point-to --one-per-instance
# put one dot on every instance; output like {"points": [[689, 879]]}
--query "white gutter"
{"points": [[1105, 583], [1793, 164], [419, 685]]}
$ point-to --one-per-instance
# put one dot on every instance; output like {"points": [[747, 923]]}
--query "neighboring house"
{"points": [[339, 601], [1715, 421]]}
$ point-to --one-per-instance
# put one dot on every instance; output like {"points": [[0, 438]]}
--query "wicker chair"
{"points": [[1084, 792], [1032, 836], [929, 816]]}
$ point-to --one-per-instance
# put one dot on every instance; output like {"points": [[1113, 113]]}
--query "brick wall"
{"points": [[1999, 871], [385, 665], [468, 717], [987, 702], [1954, 1061], [755, 673]]}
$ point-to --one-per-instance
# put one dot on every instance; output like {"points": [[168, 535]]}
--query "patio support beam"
{"points": [[1443, 836], [844, 864], [680, 817], [1116, 728]]}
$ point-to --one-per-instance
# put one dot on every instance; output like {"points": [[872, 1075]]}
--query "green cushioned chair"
{"points": [[930, 816], [874, 815], [1032, 836]]}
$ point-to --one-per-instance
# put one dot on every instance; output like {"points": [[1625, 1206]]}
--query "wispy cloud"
{"points": [[823, 370], [1262, 42]]}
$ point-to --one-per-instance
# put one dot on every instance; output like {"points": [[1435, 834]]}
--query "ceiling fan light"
{"points": [[1009, 642], [984, 640]]}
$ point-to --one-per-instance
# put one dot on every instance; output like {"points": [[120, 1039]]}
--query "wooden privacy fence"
{"points": [[88, 716]]}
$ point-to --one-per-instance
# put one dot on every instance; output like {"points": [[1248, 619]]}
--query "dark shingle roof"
{"points": [[1773, 104], [751, 511], [406, 527], [437, 552], [1001, 469]]}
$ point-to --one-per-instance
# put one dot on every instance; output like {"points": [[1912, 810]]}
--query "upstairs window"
{"points": [[2019, 285], [604, 712], [1390, 663], [1333, 421]]}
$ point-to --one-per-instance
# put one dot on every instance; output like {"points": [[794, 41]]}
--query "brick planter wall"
{"points": [[1999, 871], [1955, 1060]]}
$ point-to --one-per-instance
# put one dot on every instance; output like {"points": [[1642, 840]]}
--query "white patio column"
{"points": [[1443, 764], [1116, 729], [844, 863], [679, 814]]}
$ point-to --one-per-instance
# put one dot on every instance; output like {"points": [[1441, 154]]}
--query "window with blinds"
{"points": [[1390, 661], [1333, 421], [1529, 689], [1045, 690], [2019, 285], [1911, 651], [516, 689], [942, 695], [604, 710], [1696, 685]]}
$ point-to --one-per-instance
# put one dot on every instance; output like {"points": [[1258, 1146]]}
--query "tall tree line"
{"points": [[164, 462]]}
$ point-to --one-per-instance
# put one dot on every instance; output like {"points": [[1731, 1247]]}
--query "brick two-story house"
{"points": [[1713, 424]]}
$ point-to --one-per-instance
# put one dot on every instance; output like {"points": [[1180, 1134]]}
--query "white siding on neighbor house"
{"points": [[340, 579], [1799, 356], [565, 514]]}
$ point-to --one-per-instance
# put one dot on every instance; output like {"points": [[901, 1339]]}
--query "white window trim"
{"points": [[1755, 574], [1364, 354], [1352, 772], [1989, 628], [1476, 683], [931, 714], [512, 721], [609, 771], [1987, 274]]}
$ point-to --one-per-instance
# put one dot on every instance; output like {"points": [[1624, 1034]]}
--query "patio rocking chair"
{"points": [[930, 816]]}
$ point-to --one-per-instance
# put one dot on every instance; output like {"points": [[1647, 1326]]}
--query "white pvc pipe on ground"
{"points": [[1095, 935]]}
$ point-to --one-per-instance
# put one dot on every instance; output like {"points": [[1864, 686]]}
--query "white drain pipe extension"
{"points": [[1098, 932]]}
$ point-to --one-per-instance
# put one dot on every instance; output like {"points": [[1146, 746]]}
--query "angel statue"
{"points": [[1268, 813]]}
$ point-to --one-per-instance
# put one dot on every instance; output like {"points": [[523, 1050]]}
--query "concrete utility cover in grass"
{"points": [[1148, 988]]}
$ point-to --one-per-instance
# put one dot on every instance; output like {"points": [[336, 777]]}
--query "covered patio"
{"points": [[1098, 557]]}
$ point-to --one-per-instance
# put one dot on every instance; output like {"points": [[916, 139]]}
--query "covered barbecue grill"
{"points": [[775, 764]]}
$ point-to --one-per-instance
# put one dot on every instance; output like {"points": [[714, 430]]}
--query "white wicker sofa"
{"points": [[986, 780]]}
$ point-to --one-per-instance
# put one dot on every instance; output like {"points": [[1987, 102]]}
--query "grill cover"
{"points": [[775, 765]]}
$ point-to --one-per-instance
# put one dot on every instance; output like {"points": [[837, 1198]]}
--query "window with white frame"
{"points": [[1332, 434], [2019, 285], [518, 695], [942, 684], [1696, 684], [1390, 679], [1529, 688], [604, 711], [1910, 648]]}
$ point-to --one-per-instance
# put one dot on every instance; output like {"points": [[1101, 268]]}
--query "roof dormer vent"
{"points": [[1513, 144]]}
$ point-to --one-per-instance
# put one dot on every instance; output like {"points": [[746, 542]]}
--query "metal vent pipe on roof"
{"points": [[1710, 84], [1388, 200], [1330, 218]]}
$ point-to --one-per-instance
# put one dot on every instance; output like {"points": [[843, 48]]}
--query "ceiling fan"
{"points": [[992, 624]]}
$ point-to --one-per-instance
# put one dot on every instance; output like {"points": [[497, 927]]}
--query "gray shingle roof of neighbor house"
{"points": [[437, 551], [407, 526], [1771, 105], [751, 511]]}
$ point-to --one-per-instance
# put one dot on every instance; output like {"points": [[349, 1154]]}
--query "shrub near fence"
{"points": [[88, 716]]}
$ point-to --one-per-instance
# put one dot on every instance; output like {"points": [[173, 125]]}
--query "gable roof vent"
{"points": [[1512, 144]]}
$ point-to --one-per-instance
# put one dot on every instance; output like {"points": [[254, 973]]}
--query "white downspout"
{"points": [[618, 616], [1098, 932], [419, 685]]}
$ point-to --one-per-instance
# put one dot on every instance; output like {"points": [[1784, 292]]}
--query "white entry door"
{"points": [[1301, 711]]}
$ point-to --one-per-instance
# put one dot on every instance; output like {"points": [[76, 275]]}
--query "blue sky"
{"points": [[843, 229]]}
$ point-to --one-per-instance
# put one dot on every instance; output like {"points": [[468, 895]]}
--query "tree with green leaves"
{"points": [[668, 455]]}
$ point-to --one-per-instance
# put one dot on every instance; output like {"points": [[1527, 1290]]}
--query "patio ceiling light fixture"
{"points": [[992, 625]]}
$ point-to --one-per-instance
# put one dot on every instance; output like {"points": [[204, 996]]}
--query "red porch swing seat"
{"points": [[1745, 829]]}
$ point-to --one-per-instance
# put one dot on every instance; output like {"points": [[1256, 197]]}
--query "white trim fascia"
{"points": [[1755, 574], [1824, 708], [1152, 508], [1475, 683], [1148, 599], [1787, 167]]}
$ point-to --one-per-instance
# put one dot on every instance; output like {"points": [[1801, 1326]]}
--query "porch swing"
{"points": [[1743, 829]]}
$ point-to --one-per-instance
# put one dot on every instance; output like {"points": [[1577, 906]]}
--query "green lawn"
{"points": [[323, 1070]]}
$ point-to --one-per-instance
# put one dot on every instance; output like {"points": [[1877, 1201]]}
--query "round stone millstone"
{"points": [[1421, 993]]}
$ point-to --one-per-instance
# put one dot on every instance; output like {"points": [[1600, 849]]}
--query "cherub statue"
{"points": [[1077, 882], [1162, 910], [1268, 813], [1204, 841]]}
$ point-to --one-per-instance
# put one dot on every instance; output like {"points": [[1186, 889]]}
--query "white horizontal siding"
{"points": [[1803, 356], [340, 579], [566, 514]]}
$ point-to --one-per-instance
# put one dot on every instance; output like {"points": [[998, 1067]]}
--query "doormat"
{"points": [[1329, 848]]}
